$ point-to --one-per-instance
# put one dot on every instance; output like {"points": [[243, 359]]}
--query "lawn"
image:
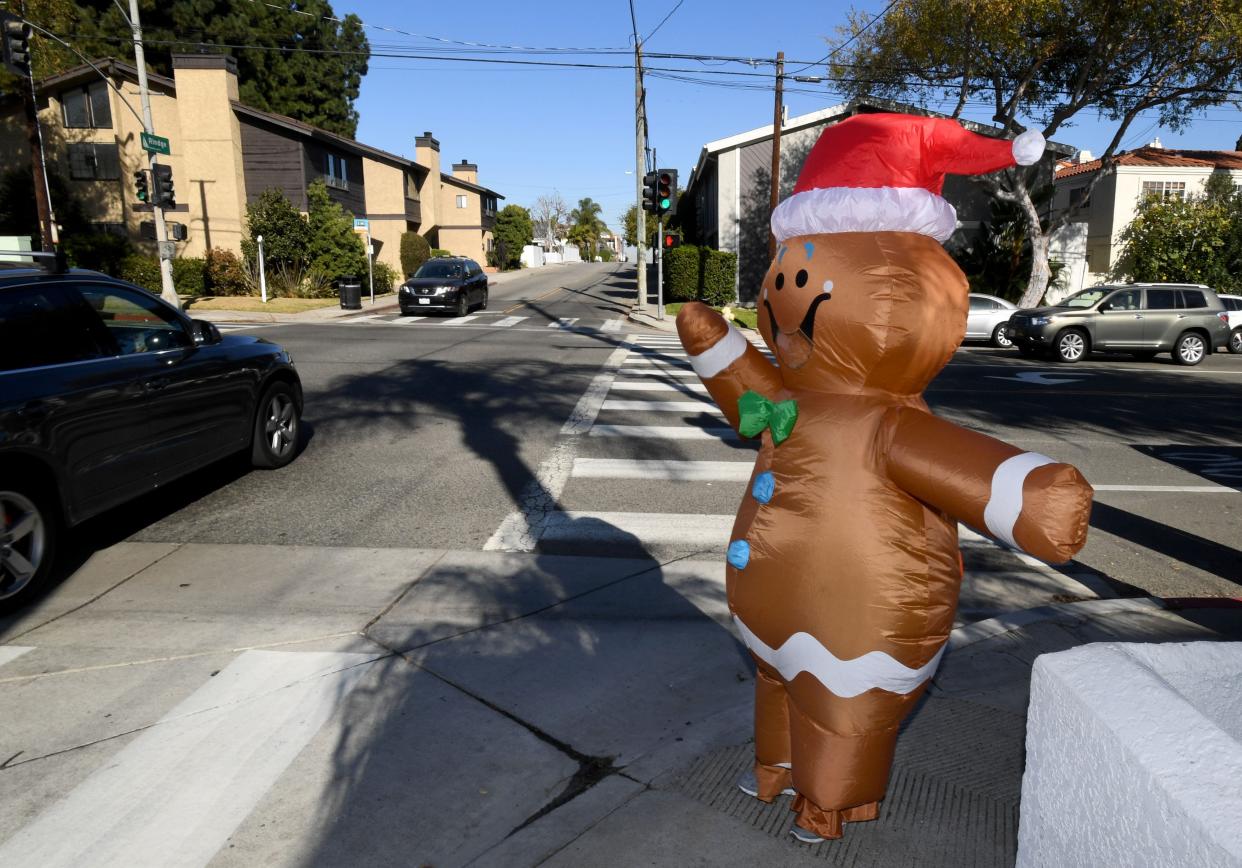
{"points": [[253, 304], [744, 317]]}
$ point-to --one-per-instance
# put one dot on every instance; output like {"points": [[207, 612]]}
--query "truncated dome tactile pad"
{"points": [[952, 796]]}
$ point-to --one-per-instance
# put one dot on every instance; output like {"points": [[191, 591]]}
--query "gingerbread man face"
{"points": [[862, 311]]}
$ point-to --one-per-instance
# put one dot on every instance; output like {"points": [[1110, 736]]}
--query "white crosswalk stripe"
{"points": [[662, 468], [563, 323], [508, 321], [612, 325], [652, 386], [459, 321]]}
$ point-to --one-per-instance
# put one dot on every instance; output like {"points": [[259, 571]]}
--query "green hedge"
{"points": [[699, 274], [189, 274], [414, 251]]}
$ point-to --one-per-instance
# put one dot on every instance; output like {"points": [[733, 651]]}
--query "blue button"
{"points": [[739, 554], [765, 484]]}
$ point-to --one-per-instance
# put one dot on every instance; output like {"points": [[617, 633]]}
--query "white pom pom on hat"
{"points": [[884, 173]]}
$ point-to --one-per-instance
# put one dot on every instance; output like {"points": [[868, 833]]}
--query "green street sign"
{"points": [[155, 144]]}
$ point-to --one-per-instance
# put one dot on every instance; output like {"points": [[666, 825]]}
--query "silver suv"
{"points": [[1187, 320]]}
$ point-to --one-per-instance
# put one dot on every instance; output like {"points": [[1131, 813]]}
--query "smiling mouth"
{"points": [[795, 348]]}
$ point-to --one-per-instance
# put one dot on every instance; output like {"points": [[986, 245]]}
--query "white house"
{"points": [[1090, 244]]}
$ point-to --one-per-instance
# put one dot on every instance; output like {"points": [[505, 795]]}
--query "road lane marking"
{"points": [[9, 653], [174, 795], [681, 471], [406, 320], [461, 320], [612, 325], [641, 386], [662, 406], [665, 432], [655, 372], [563, 323], [659, 528], [508, 321]]}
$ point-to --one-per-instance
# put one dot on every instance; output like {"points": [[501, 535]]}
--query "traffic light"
{"points": [[162, 184], [666, 190], [16, 48], [649, 192], [140, 185], [671, 241]]}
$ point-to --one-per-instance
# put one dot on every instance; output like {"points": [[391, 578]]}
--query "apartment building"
{"points": [[226, 154]]}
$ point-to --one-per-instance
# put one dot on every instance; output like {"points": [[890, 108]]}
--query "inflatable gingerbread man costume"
{"points": [[844, 568]]}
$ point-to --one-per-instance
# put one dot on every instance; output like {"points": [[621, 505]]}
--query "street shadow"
{"points": [[1179, 545]]}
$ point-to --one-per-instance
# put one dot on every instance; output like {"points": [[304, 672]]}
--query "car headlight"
{"points": [[1040, 320], [406, 290]]}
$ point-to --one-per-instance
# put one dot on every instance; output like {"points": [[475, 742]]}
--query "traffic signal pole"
{"points": [[166, 247], [640, 169]]}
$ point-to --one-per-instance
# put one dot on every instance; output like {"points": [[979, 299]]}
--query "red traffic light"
{"points": [[671, 241]]}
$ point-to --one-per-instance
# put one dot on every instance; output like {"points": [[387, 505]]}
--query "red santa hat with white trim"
{"points": [[884, 173]]}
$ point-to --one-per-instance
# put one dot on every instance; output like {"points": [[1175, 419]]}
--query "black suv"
{"points": [[107, 392], [446, 283]]}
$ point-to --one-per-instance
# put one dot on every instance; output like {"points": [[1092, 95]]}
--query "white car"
{"points": [[988, 320], [1233, 308]]}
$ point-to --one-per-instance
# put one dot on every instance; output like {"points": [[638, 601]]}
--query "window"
{"points": [[94, 162], [1078, 197], [1192, 299], [137, 323], [461, 201], [87, 107], [1164, 190], [1232, 303], [38, 326], [1130, 299], [335, 173], [1161, 299]]}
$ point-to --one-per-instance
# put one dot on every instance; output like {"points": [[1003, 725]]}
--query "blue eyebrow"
{"points": [[780, 254], [810, 249]]}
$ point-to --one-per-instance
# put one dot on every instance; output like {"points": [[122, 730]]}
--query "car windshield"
{"points": [[439, 269], [1086, 298]]}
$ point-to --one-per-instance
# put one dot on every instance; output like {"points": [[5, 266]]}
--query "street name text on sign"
{"points": [[155, 144]]}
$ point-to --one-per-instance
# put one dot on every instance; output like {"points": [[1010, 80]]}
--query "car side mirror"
{"points": [[1105, 308], [205, 333]]}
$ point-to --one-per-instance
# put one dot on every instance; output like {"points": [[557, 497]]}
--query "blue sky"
{"points": [[534, 130]]}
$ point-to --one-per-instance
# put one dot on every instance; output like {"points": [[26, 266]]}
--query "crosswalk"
{"points": [[647, 466], [482, 319]]}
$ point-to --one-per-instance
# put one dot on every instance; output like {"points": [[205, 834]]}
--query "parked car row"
{"points": [[1188, 321], [106, 393]]}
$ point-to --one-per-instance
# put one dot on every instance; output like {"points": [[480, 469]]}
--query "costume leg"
{"points": [[772, 747]]}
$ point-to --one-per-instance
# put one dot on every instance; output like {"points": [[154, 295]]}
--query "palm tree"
{"points": [[585, 218]]}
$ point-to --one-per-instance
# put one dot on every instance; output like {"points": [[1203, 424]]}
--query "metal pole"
{"points": [[262, 271], [640, 169], [370, 270], [38, 163], [166, 248], [776, 147], [660, 268]]}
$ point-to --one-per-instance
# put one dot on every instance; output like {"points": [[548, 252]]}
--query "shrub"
{"points": [[606, 254], [286, 235], [142, 270], [414, 251], [718, 278], [440, 251], [384, 277], [224, 274], [333, 248], [189, 276], [99, 251], [681, 273]]}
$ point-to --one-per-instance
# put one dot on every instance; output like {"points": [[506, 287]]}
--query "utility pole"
{"points": [[166, 247], [640, 169], [19, 60], [777, 117]]}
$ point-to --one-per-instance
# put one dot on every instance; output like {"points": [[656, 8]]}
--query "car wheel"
{"points": [[28, 529], [463, 306], [1071, 346], [276, 427], [1000, 337], [1235, 341], [1190, 349]]}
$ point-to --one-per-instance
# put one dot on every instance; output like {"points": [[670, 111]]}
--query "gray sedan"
{"points": [[988, 320]]}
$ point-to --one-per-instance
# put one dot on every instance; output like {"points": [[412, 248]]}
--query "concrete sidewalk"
{"points": [[522, 709]]}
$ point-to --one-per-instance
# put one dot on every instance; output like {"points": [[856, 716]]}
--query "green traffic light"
{"points": [[664, 203]]}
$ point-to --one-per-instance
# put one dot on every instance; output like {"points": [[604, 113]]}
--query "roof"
{"points": [[1163, 157], [109, 66], [453, 179], [852, 107], [313, 132]]}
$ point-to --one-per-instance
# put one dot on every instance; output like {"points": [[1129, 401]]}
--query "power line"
{"points": [[662, 20], [863, 30]]}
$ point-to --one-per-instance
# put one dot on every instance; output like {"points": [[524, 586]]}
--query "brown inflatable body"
{"points": [[844, 568]]}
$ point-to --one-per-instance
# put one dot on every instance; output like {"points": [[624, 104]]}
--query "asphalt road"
{"points": [[448, 434]]}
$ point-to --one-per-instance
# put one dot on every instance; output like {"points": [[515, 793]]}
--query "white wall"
{"points": [[1134, 757]]}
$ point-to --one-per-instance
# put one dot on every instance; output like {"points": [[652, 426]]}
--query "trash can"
{"points": [[350, 289]]}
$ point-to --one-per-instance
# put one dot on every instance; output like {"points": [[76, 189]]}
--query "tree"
{"points": [[300, 60], [586, 226], [514, 230], [286, 236], [998, 260], [549, 216], [1185, 241], [1047, 62], [414, 251], [334, 248], [629, 228]]}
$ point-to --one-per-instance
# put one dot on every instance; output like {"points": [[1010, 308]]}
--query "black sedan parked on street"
{"points": [[446, 283], [106, 393]]}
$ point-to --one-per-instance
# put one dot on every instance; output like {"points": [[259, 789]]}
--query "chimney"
{"points": [[427, 153], [1083, 156], [466, 171], [1155, 143]]}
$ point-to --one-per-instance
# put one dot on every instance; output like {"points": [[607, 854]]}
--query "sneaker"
{"points": [[805, 836], [749, 784]]}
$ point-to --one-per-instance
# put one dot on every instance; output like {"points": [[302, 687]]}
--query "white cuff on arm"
{"points": [[1005, 504], [719, 355]]}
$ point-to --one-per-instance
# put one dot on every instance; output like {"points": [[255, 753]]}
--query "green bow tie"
{"points": [[757, 413]]}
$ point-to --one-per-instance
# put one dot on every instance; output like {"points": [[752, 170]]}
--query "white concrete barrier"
{"points": [[1134, 757]]}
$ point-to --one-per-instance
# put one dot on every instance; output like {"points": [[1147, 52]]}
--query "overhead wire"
{"points": [[860, 32]]}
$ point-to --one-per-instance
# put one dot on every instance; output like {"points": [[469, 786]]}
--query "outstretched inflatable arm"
{"points": [[726, 362], [1023, 498]]}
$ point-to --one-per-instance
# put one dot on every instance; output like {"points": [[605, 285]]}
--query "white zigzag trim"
{"points": [[801, 652]]}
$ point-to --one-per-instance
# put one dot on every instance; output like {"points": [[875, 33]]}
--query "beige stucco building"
{"points": [[224, 154]]}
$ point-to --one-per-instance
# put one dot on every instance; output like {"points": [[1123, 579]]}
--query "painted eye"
{"points": [[780, 279], [800, 278]]}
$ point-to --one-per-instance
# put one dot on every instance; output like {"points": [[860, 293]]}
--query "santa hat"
{"points": [[884, 173]]}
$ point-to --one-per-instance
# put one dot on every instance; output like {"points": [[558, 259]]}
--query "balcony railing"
{"points": [[335, 182]]}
